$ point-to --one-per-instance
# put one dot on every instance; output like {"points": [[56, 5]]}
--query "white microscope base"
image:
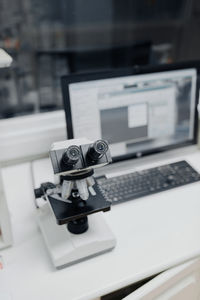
{"points": [[66, 248]]}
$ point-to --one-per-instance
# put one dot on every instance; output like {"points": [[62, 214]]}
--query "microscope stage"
{"points": [[65, 212]]}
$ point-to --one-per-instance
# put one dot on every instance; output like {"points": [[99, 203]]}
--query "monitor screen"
{"points": [[135, 113]]}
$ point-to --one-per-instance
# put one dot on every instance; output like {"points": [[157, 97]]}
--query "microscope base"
{"points": [[66, 248]]}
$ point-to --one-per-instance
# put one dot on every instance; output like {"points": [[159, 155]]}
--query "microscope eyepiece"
{"points": [[71, 156], [97, 150]]}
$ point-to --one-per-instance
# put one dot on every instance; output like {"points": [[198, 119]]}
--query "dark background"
{"points": [[49, 38]]}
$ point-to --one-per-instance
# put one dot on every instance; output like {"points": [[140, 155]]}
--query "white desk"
{"points": [[153, 233]]}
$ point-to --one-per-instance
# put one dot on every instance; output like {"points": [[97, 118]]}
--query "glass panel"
{"points": [[49, 38]]}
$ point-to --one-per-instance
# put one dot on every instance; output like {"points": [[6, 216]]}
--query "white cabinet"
{"points": [[178, 283], [5, 225]]}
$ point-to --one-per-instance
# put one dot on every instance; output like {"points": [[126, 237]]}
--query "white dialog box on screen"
{"points": [[137, 115]]}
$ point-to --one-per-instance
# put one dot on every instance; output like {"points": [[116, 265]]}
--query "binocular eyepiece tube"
{"points": [[71, 156], [96, 151], [79, 154]]}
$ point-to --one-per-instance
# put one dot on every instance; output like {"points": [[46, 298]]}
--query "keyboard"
{"points": [[146, 182]]}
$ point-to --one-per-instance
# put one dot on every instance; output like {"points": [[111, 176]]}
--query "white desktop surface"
{"points": [[153, 233]]}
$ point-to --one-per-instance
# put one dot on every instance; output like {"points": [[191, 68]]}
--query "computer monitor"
{"points": [[138, 111]]}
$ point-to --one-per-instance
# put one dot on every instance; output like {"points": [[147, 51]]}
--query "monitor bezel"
{"points": [[136, 70]]}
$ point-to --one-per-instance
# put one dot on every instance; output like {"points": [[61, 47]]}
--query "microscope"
{"points": [[70, 210]]}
